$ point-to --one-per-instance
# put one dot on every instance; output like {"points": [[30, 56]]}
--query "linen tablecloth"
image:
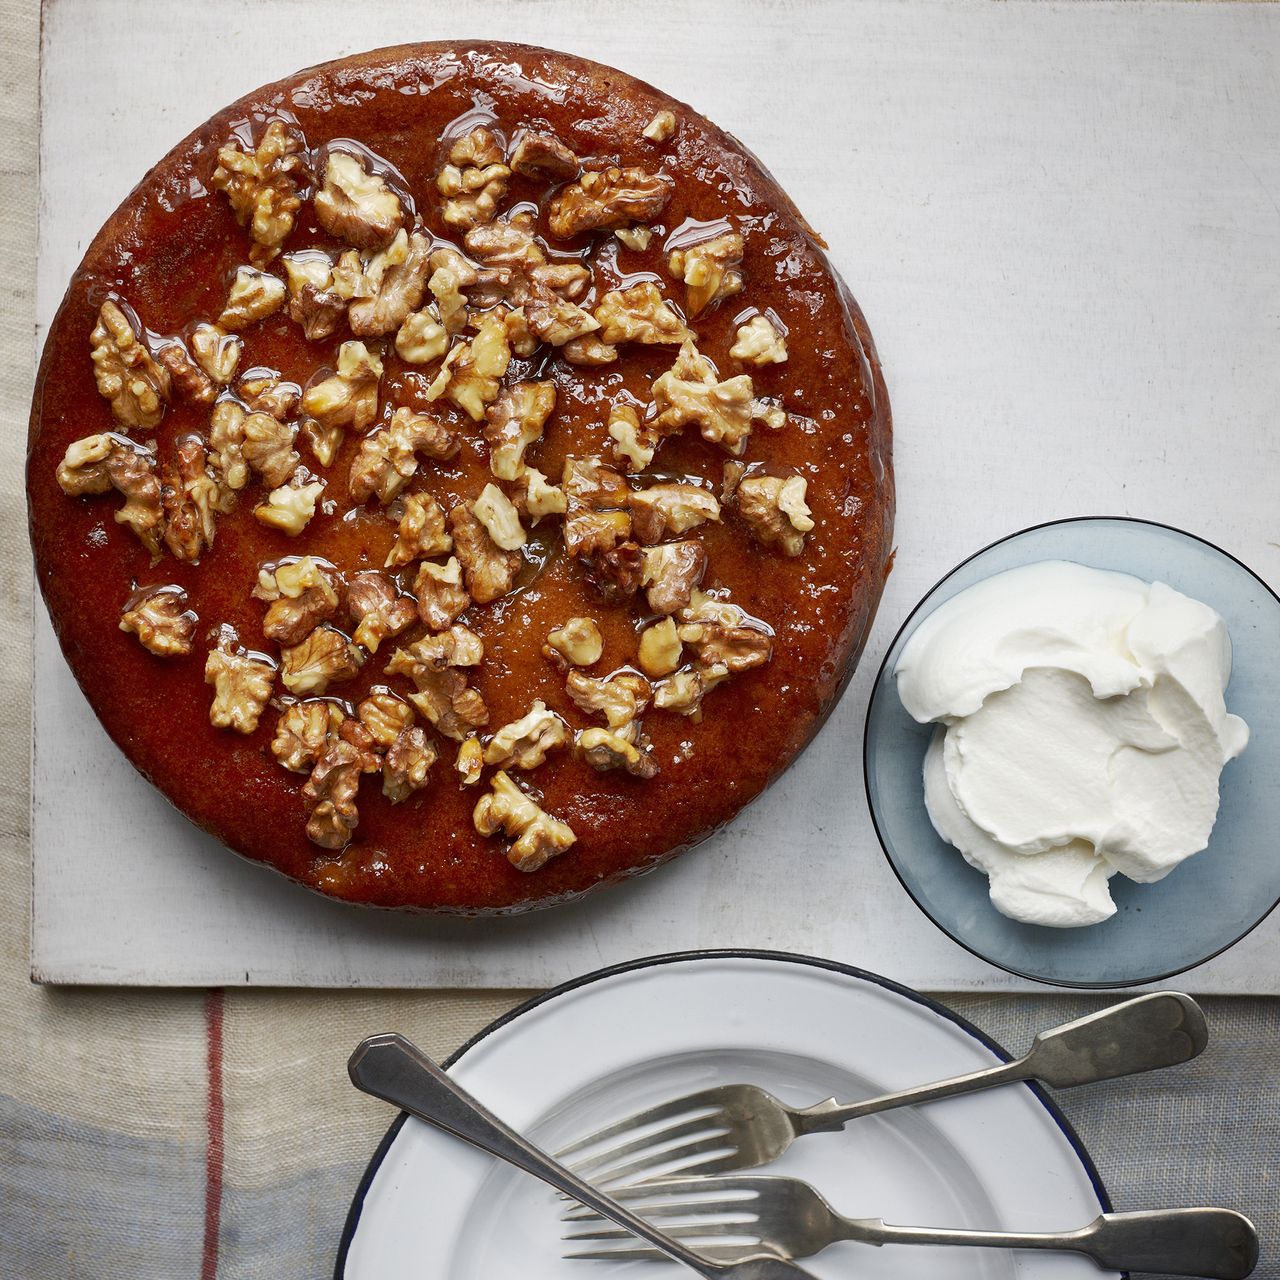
{"points": [[160, 1136]]}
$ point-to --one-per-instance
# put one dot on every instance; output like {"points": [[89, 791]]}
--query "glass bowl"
{"points": [[1205, 904]]}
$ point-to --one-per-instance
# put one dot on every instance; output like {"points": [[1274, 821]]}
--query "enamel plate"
{"points": [[599, 1048]]}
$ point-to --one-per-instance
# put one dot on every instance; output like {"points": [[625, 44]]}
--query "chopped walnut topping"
{"points": [[514, 422], [451, 273], [457, 647], [470, 375], [639, 314], [732, 478], [441, 596], [710, 270], [625, 748], [384, 715], [759, 343], [578, 642], [524, 743], [407, 765], [660, 649], [226, 451], [159, 617], [241, 684], [589, 351], [776, 511], [393, 282], [490, 571], [421, 531], [661, 127], [617, 573], [536, 497], [185, 375], [262, 187], [469, 762], [124, 370], [110, 461], [511, 251], [290, 507], [324, 442], [330, 793], [303, 730], [597, 500], [620, 697], [636, 238], [633, 445], [735, 649], [521, 338], [684, 691], [543, 155], [495, 511], [355, 205], [556, 320], [671, 571], [323, 658], [537, 836], [422, 338], [190, 495], [670, 508], [348, 398], [254, 296], [377, 607], [301, 594], [313, 303], [388, 459], [608, 198], [354, 732], [690, 393], [449, 703], [474, 180], [265, 391], [216, 351]]}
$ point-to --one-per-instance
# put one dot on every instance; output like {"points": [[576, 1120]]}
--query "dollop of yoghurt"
{"points": [[1082, 729]]}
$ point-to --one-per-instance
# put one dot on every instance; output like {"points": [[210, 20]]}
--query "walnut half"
{"points": [[159, 617], [776, 511], [262, 187], [241, 682], [524, 743], [537, 836], [608, 198], [124, 370]]}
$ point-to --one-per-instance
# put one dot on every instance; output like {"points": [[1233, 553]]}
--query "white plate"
{"points": [[625, 1038]]}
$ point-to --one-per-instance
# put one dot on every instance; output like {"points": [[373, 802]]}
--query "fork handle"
{"points": [[828, 1116], [1215, 1243], [392, 1068]]}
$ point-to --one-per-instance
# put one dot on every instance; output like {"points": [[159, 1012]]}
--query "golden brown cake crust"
{"points": [[170, 250]]}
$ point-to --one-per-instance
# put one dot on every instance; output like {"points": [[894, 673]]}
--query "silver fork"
{"points": [[390, 1067], [740, 1126], [791, 1218]]}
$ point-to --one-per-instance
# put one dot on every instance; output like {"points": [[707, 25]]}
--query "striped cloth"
{"points": [[212, 1136]]}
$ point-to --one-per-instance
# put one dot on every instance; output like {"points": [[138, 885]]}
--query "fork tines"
{"points": [[718, 1221], [677, 1137]]}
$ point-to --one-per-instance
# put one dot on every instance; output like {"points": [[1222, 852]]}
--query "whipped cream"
{"points": [[1082, 731]]}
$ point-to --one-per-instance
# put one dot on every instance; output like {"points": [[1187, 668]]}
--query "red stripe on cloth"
{"points": [[213, 1008]]}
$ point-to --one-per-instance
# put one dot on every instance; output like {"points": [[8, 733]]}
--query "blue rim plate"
{"points": [[1203, 906], [429, 1205]]}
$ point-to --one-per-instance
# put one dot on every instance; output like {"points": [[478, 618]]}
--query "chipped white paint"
{"points": [[1064, 225]]}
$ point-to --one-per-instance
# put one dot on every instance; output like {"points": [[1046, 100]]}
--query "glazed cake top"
{"points": [[479, 479]]}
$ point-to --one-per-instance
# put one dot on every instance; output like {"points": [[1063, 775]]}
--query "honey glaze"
{"points": [[169, 254]]}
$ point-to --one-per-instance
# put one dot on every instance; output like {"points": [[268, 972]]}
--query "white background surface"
{"points": [[1063, 223]]}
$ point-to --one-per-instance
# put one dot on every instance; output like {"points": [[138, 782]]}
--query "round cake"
{"points": [[458, 479]]}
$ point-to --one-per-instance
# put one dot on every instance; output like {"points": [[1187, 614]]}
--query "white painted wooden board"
{"points": [[1063, 224]]}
